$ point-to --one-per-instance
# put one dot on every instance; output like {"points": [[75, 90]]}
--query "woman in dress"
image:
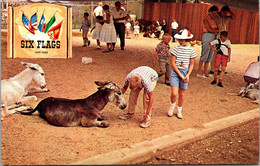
{"points": [[108, 31]]}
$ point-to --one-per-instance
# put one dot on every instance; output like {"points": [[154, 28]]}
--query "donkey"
{"points": [[250, 91], [15, 89], [81, 112]]}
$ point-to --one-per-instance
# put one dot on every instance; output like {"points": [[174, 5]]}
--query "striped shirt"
{"points": [[147, 74], [183, 55]]}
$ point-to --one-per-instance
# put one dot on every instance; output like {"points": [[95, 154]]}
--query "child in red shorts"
{"points": [[223, 49]]}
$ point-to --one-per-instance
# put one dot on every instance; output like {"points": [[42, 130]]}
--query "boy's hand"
{"points": [[228, 59], [214, 49]]}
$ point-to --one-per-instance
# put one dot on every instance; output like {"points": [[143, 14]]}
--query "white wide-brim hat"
{"points": [[183, 34]]}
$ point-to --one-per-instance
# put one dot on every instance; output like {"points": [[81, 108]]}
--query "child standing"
{"points": [[182, 62], [162, 51], [108, 31], [223, 50], [85, 27], [136, 30], [128, 28]]}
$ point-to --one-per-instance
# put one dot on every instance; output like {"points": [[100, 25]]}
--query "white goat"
{"points": [[15, 89]]}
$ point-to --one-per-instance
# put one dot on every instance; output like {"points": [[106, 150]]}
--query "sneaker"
{"points": [[84, 46], [171, 110], [179, 115], [209, 75], [220, 84], [146, 123], [126, 116], [98, 47], [213, 82], [211, 72], [201, 76]]}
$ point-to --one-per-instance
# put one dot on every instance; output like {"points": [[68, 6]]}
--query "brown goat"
{"points": [[80, 112]]}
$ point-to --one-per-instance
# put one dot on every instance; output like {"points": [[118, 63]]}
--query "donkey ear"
{"points": [[33, 68], [24, 64], [30, 65], [100, 83]]}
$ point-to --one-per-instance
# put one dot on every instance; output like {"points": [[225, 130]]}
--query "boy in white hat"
{"points": [[182, 63]]}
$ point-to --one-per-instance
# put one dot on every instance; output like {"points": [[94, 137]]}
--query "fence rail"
{"points": [[244, 29]]}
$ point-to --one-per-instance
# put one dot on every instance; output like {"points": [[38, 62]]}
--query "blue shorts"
{"points": [[176, 79]]}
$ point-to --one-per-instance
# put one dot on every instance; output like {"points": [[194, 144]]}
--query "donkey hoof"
{"points": [[101, 117], [104, 124], [46, 90], [34, 98]]}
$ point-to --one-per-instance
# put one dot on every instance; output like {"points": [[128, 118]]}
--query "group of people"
{"points": [[177, 64], [216, 47], [108, 26]]}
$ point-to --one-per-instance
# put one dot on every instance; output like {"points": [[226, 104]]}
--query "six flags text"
{"points": [[40, 44]]}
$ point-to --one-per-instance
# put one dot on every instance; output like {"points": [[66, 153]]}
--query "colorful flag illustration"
{"points": [[55, 31], [42, 23], [26, 24], [33, 22], [49, 24], [23, 31]]}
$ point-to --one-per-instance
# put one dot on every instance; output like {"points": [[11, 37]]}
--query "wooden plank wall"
{"points": [[244, 29]]}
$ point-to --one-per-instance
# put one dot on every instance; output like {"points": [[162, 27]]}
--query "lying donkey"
{"points": [[15, 89], [81, 112], [250, 91]]}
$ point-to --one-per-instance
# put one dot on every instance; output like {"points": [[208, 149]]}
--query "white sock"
{"points": [[173, 104], [179, 109], [171, 109], [179, 115]]}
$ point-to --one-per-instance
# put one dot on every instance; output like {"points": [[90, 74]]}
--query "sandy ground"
{"points": [[236, 145], [29, 140]]}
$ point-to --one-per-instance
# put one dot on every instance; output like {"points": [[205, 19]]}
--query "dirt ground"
{"points": [[236, 145], [29, 140]]}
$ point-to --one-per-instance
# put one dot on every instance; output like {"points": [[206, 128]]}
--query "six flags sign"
{"points": [[40, 31]]}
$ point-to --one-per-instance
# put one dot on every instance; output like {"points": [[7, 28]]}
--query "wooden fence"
{"points": [[244, 29]]}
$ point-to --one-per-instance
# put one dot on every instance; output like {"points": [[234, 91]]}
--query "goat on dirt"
{"points": [[250, 91], [15, 89], [80, 112]]}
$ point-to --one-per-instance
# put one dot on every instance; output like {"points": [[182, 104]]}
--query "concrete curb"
{"points": [[143, 151]]}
